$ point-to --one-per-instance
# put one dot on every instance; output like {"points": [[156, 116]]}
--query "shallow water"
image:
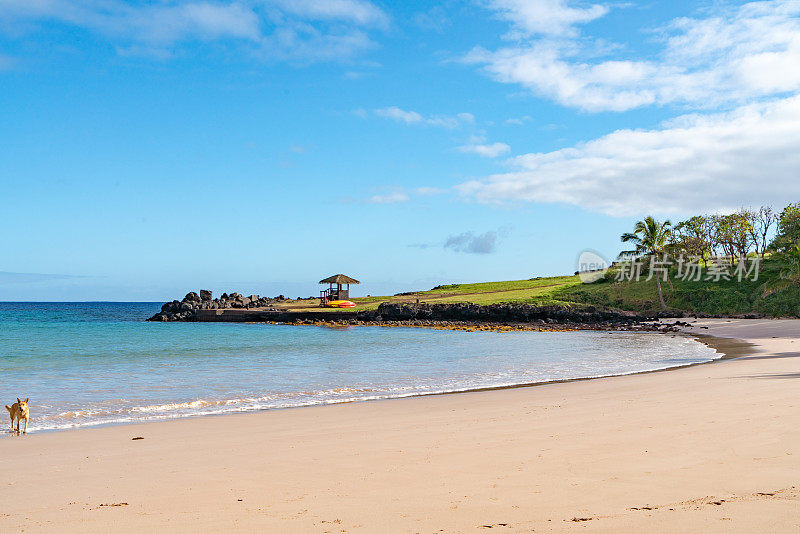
{"points": [[85, 364]]}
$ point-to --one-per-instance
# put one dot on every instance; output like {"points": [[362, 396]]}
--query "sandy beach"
{"points": [[711, 448]]}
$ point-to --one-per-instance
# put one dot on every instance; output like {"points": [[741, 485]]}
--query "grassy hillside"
{"points": [[539, 289], [535, 289], [725, 298]]}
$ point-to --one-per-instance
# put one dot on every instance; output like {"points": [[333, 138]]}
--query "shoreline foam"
{"points": [[726, 348]]}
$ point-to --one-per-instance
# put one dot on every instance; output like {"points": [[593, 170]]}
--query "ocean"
{"points": [[88, 364]]}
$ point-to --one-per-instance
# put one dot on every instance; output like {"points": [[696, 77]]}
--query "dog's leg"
{"points": [[18, 427], [25, 431]]}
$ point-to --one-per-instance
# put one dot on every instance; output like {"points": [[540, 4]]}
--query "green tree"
{"points": [[734, 234], [761, 222], [649, 238], [788, 229], [694, 237]]}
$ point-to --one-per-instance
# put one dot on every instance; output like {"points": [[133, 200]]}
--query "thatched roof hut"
{"points": [[335, 291], [339, 279]]}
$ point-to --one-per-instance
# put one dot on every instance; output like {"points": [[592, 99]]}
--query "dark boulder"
{"points": [[171, 306]]}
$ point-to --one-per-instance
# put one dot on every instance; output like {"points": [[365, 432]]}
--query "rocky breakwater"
{"points": [[186, 309], [456, 315], [510, 313]]}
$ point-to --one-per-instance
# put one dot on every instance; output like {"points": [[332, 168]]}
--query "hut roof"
{"points": [[339, 279]]}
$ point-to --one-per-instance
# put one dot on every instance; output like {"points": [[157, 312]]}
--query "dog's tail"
{"points": [[8, 408]]}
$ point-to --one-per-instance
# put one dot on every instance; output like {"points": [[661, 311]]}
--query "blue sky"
{"points": [[152, 148]]}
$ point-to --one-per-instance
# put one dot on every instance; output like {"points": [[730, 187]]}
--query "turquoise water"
{"points": [[85, 364]]}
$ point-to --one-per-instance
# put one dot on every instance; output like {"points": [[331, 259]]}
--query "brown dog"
{"points": [[19, 411]]}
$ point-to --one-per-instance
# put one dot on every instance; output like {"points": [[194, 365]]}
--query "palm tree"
{"points": [[649, 238]]}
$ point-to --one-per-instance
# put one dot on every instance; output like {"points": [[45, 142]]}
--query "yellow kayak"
{"points": [[340, 304]]}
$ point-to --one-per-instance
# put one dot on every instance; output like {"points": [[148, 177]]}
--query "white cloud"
{"points": [[153, 23], [209, 21], [466, 117], [477, 145], [471, 243], [393, 197], [434, 19], [546, 17], [518, 121], [412, 117], [396, 194], [395, 113], [304, 42], [732, 56], [279, 29], [358, 11], [692, 164]]}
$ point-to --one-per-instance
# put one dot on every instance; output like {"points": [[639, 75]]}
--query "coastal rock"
{"points": [[187, 308], [171, 306], [416, 313], [497, 313]]}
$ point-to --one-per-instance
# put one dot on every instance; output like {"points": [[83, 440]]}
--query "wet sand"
{"points": [[711, 447]]}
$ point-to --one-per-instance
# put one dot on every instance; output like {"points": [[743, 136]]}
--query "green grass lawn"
{"points": [[511, 285], [724, 297], [536, 289]]}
